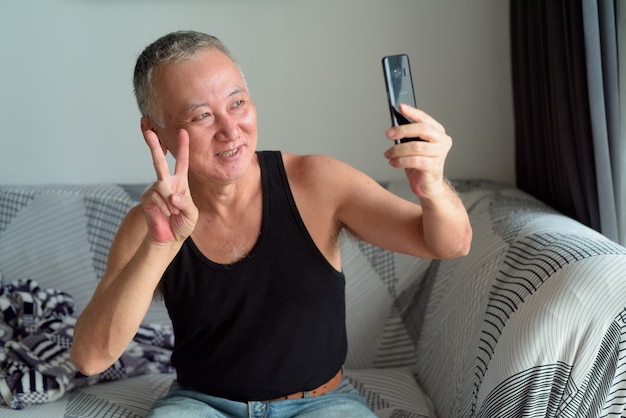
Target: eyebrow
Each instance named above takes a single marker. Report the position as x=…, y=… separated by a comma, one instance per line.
x=192, y=108
x=235, y=91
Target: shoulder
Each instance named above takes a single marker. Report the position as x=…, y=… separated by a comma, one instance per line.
x=326, y=181
x=316, y=170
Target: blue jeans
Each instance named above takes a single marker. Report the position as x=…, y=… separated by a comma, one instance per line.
x=342, y=402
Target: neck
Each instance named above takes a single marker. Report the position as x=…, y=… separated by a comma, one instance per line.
x=230, y=216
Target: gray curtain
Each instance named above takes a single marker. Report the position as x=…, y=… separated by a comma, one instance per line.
x=620, y=153
x=600, y=28
x=569, y=107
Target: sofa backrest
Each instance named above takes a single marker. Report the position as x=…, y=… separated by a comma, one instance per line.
x=59, y=236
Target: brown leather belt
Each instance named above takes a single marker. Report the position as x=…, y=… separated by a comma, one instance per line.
x=318, y=391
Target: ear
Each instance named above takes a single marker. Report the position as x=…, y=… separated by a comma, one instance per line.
x=148, y=125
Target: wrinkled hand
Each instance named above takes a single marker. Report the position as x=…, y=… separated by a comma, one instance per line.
x=167, y=204
x=423, y=161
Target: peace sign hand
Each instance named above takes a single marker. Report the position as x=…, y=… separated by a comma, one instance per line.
x=167, y=204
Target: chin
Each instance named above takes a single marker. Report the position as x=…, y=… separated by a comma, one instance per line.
x=234, y=168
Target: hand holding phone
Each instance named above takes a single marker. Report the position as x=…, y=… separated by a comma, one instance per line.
x=399, y=85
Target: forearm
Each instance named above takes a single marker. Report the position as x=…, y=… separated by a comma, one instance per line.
x=111, y=319
x=446, y=228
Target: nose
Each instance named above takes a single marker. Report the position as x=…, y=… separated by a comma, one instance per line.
x=228, y=128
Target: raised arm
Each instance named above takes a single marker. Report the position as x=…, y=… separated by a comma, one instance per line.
x=437, y=228
x=446, y=228
x=148, y=239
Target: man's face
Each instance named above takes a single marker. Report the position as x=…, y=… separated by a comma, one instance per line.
x=208, y=97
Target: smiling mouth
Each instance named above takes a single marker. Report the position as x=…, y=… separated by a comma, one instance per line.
x=229, y=153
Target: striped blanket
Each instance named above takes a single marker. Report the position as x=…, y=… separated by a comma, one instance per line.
x=36, y=328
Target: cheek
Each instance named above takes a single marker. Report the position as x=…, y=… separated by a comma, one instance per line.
x=168, y=140
x=200, y=136
x=249, y=119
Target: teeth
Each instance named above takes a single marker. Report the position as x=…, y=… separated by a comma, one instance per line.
x=228, y=153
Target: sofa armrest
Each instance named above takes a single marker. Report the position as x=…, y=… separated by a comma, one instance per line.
x=530, y=323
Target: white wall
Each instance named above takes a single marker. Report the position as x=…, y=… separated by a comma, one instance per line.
x=68, y=115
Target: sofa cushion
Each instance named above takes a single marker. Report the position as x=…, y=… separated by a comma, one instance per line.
x=391, y=393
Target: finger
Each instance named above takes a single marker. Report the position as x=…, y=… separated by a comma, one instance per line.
x=182, y=203
x=426, y=132
x=418, y=116
x=182, y=156
x=154, y=199
x=158, y=156
x=409, y=156
x=412, y=130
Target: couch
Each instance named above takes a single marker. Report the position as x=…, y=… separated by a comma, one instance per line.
x=530, y=323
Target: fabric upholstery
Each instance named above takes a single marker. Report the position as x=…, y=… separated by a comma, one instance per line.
x=530, y=323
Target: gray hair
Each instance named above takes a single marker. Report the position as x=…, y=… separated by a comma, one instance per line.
x=171, y=48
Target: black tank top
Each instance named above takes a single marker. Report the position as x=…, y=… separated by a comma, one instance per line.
x=269, y=325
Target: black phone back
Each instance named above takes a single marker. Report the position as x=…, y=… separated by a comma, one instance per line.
x=399, y=85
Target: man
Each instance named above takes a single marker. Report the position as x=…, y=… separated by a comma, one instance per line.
x=244, y=244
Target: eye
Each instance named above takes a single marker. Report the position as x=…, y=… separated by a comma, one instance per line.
x=239, y=103
x=201, y=116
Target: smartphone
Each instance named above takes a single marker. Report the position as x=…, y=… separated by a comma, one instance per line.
x=399, y=82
